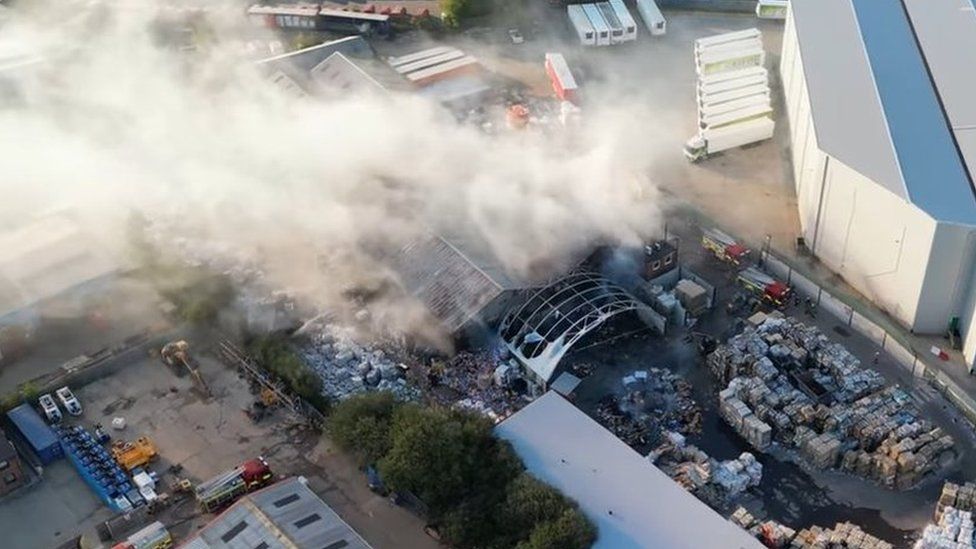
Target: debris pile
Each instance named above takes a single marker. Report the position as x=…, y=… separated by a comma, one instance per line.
x=711, y=480
x=959, y=497
x=786, y=382
x=654, y=401
x=473, y=381
x=347, y=367
x=844, y=534
x=954, y=530
x=770, y=532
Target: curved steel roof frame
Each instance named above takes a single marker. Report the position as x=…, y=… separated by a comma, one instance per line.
x=543, y=329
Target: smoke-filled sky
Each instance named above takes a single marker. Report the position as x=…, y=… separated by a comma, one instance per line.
x=111, y=122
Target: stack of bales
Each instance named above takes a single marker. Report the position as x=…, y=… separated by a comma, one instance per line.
x=959, y=497
x=786, y=381
x=844, y=534
x=737, y=475
x=954, y=530
x=738, y=414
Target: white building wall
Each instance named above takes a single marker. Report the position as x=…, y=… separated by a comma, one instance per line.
x=876, y=241
x=808, y=160
x=945, y=290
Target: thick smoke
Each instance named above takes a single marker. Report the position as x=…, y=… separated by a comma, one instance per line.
x=115, y=121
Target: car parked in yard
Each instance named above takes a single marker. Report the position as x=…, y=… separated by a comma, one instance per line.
x=50, y=408
x=69, y=401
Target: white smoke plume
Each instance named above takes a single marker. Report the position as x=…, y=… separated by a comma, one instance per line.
x=112, y=122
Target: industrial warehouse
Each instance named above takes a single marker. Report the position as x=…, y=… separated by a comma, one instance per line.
x=420, y=274
x=864, y=168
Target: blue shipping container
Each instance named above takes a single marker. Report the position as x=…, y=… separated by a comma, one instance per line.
x=36, y=432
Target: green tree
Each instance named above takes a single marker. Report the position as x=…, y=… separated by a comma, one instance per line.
x=571, y=530
x=361, y=425
x=456, y=12
x=443, y=455
x=276, y=356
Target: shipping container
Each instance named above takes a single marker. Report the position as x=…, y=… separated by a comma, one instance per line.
x=652, y=17
x=729, y=85
x=417, y=56
x=729, y=60
x=732, y=75
x=626, y=19
x=610, y=16
x=581, y=24
x=464, y=65
x=772, y=9
x=37, y=434
x=714, y=109
x=600, y=27
x=429, y=61
x=750, y=44
x=717, y=39
x=735, y=117
x=561, y=78
x=714, y=99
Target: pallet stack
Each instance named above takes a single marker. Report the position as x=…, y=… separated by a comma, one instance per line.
x=787, y=382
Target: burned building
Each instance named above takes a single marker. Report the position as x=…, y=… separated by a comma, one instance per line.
x=12, y=474
x=660, y=257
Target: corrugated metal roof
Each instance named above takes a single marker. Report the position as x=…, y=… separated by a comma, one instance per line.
x=287, y=514
x=306, y=59
x=876, y=106
x=45, y=258
x=29, y=423
x=339, y=73
x=448, y=282
x=633, y=504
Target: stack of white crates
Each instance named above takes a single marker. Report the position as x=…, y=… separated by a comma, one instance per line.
x=734, y=101
x=602, y=23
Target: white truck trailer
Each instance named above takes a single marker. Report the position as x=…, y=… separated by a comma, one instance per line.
x=600, y=26
x=727, y=85
x=711, y=62
x=703, y=43
x=710, y=141
x=610, y=16
x=714, y=121
x=715, y=109
x=712, y=99
x=626, y=19
x=732, y=75
x=652, y=17
x=581, y=24
x=772, y=9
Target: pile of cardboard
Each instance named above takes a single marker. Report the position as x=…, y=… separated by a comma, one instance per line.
x=954, y=530
x=712, y=480
x=959, y=497
x=844, y=534
x=788, y=382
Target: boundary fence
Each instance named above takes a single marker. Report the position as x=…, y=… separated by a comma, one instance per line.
x=907, y=357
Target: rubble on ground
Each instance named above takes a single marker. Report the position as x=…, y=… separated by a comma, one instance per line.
x=473, y=382
x=787, y=383
x=653, y=401
x=711, y=480
x=348, y=368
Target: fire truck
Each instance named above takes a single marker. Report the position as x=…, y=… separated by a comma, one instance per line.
x=225, y=488
x=724, y=246
x=764, y=286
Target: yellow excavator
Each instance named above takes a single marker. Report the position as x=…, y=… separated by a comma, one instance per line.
x=176, y=355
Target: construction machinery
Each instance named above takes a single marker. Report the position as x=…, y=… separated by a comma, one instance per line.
x=223, y=489
x=134, y=454
x=176, y=355
x=724, y=246
x=764, y=286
